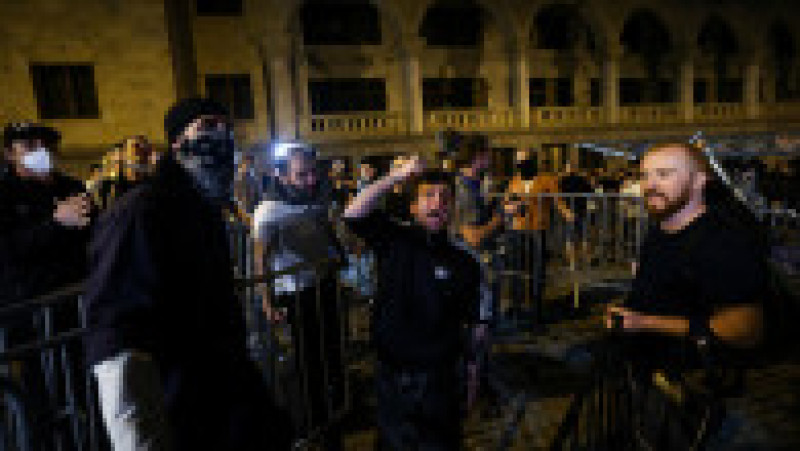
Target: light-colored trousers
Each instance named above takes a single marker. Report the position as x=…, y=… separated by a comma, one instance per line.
x=132, y=402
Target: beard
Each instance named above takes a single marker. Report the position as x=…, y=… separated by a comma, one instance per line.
x=671, y=206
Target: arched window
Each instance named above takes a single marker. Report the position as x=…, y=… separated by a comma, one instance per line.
x=351, y=23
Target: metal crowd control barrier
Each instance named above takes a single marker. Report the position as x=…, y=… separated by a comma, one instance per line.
x=48, y=396
x=340, y=294
x=539, y=248
x=599, y=417
x=622, y=407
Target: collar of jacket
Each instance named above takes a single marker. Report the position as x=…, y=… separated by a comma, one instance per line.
x=429, y=238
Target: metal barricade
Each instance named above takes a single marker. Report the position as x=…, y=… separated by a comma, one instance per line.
x=540, y=249
x=48, y=396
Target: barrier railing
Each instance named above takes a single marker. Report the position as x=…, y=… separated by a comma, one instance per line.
x=362, y=124
x=540, y=248
x=566, y=116
x=719, y=111
x=649, y=114
x=469, y=120
x=49, y=400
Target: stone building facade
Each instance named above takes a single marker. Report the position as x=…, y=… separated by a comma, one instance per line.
x=366, y=76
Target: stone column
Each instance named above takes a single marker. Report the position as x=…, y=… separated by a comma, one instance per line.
x=611, y=85
x=521, y=86
x=412, y=82
x=752, y=79
x=303, y=99
x=686, y=89
x=281, y=93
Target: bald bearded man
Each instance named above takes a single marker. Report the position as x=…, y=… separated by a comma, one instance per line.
x=696, y=295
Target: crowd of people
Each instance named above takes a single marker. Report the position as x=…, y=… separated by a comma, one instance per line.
x=166, y=341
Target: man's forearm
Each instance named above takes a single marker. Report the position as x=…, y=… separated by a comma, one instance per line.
x=369, y=197
x=739, y=325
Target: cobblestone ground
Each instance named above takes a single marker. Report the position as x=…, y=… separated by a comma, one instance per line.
x=535, y=375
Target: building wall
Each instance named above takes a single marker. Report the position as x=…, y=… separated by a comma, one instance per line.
x=128, y=44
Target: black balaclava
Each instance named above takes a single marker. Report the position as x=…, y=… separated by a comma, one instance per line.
x=209, y=157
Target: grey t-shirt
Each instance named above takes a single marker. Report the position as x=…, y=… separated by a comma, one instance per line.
x=296, y=234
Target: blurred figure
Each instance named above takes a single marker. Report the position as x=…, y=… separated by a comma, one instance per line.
x=126, y=165
x=529, y=214
x=94, y=177
x=248, y=185
x=167, y=342
x=396, y=201
x=633, y=213
x=340, y=184
x=113, y=182
x=136, y=158
x=44, y=220
x=476, y=217
x=573, y=182
x=430, y=289
x=292, y=228
x=367, y=172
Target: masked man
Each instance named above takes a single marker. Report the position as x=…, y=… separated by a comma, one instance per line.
x=44, y=217
x=167, y=342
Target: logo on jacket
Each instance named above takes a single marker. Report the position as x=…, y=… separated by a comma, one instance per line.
x=441, y=273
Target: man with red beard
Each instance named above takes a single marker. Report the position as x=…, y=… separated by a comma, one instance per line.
x=696, y=294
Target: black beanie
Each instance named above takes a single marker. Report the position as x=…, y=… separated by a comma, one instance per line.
x=25, y=130
x=187, y=110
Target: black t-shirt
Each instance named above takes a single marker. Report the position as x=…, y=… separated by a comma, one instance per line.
x=428, y=289
x=698, y=270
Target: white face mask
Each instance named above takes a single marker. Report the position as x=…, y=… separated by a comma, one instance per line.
x=38, y=161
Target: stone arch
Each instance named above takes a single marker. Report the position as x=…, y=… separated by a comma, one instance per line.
x=494, y=10
x=587, y=16
x=781, y=54
x=645, y=34
x=387, y=14
x=717, y=40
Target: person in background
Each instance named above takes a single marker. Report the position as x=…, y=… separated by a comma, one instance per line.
x=167, y=336
x=292, y=229
x=429, y=289
x=367, y=172
x=476, y=216
x=575, y=183
x=396, y=202
x=632, y=212
x=44, y=230
x=341, y=185
x=529, y=214
x=113, y=182
x=608, y=181
x=95, y=175
x=136, y=159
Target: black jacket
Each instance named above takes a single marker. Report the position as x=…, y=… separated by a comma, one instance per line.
x=428, y=289
x=161, y=282
x=37, y=255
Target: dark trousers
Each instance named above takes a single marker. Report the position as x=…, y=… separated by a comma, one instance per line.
x=317, y=334
x=527, y=261
x=418, y=410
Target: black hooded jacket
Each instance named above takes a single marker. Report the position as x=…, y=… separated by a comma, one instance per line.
x=161, y=282
x=37, y=255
